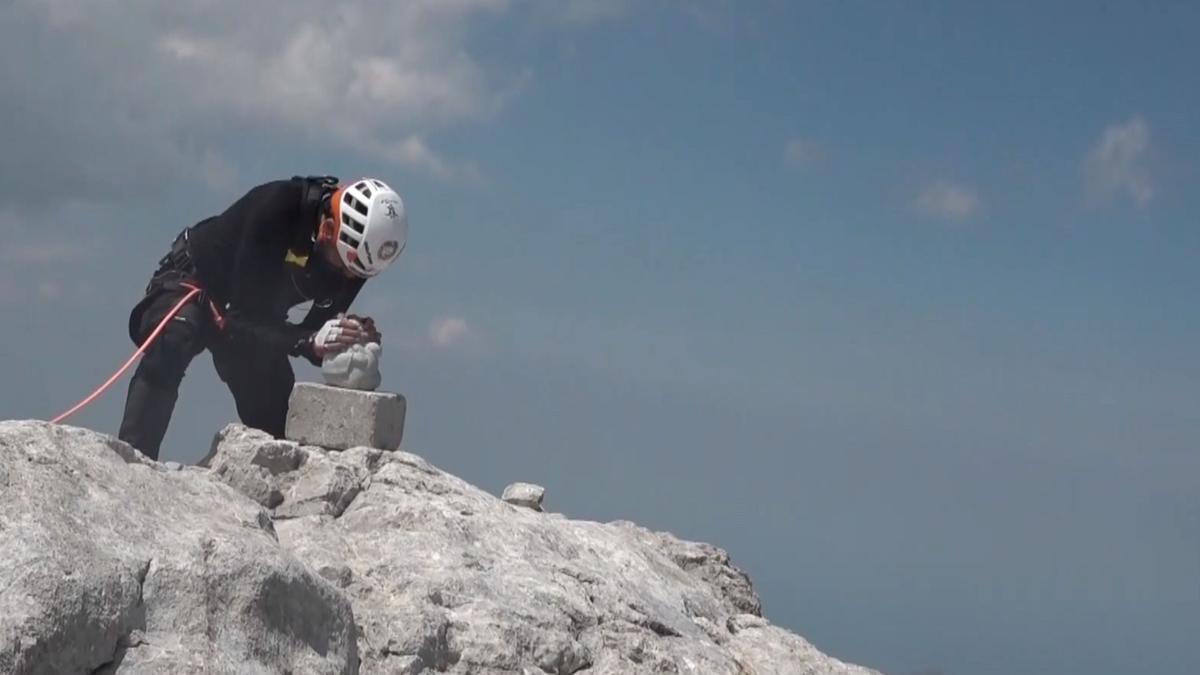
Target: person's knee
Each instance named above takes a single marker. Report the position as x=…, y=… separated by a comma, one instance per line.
x=166, y=361
x=267, y=414
x=278, y=392
x=261, y=393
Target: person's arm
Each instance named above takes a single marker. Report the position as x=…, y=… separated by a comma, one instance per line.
x=341, y=304
x=319, y=316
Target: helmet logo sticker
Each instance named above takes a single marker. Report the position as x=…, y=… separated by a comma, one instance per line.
x=391, y=210
x=388, y=250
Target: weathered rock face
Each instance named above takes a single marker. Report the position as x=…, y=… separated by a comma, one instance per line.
x=282, y=558
x=447, y=578
x=525, y=494
x=110, y=563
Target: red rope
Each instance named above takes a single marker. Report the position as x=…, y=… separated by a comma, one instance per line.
x=140, y=350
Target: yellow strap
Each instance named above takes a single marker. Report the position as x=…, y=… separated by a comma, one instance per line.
x=297, y=260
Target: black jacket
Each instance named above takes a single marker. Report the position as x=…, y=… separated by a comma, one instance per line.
x=256, y=261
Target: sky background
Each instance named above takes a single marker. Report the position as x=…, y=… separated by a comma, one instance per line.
x=897, y=302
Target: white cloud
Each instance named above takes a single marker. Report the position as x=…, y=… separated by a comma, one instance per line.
x=948, y=200
x=218, y=173
x=712, y=15
x=585, y=12
x=446, y=331
x=373, y=67
x=44, y=252
x=116, y=103
x=414, y=153
x=185, y=49
x=802, y=152
x=1117, y=164
x=49, y=291
x=45, y=239
x=48, y=255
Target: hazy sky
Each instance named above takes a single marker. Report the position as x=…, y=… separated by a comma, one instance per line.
x=897, y=302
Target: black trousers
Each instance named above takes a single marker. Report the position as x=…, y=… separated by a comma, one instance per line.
x=260, y=383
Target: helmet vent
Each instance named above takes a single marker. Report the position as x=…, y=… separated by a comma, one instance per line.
x=355, y=204
x=348, y=240
x=349, y=222
x=366, y=191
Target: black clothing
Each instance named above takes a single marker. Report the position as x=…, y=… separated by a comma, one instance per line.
x=254, y=262
x=240, y=260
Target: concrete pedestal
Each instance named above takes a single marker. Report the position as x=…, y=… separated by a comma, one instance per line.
x=344, y=418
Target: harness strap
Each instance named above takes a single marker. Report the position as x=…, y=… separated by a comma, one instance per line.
x=218, y=318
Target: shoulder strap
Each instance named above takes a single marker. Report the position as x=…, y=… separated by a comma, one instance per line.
x=315, y=190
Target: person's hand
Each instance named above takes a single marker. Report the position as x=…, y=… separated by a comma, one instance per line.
x=369, y=330
x=338, y=334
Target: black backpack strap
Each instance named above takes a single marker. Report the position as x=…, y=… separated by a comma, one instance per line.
x=313, y=196
x=316, y=189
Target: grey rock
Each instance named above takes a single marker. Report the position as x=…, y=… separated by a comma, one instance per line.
x=251, y=461
x=773, y=651
x=354, y=368
x=337, y=418
x=340, y=575
x=266, y=470
x=114, y=564
x=240, y=444
x=325, y=487
x=277, y=456
x=445, y=577
x=707, y=563
x=525, y=494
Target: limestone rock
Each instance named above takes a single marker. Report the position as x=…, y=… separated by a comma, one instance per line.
x=343, y=418
x=110, y=563
x=707, y=563
x=354, y=368
x=325, y=487
x=773, y=649
x=265, y=469
x=445, y=577
x=525, y=494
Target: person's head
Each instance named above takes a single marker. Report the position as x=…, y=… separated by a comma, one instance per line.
x=363, y=229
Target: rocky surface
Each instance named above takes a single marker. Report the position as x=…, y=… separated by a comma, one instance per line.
x=282, y=558
x=525, y=494
x=445, y=577
x=110, y=563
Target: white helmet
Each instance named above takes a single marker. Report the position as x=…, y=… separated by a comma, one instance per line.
x=372, y=226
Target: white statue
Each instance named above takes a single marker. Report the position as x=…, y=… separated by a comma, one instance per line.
x=356, y=367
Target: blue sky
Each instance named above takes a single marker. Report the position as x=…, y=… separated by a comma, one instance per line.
x=896, y=302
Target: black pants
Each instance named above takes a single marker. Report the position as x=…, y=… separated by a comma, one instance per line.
x=260, y=383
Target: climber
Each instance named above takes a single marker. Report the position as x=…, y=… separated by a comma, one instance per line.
x=282, y=244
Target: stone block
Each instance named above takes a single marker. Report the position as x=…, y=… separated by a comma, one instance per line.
x=339, y=419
